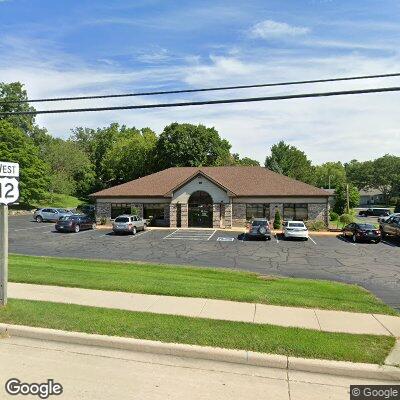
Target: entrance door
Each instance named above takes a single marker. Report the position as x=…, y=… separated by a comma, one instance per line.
x=200, y=210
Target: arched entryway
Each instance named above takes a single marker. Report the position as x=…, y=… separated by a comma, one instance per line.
x=200, y=210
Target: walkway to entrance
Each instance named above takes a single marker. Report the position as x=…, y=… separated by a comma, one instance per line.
x=192, y=234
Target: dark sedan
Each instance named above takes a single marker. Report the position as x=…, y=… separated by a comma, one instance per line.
x=75, y=223
x=362, y=232
x=259, y=229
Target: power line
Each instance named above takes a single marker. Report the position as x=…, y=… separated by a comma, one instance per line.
x=199, y=90
x=209, y=102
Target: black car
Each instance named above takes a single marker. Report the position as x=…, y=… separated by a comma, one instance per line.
x=259, y=229
x=374, y=212
x=362, y=232
x=75, y=223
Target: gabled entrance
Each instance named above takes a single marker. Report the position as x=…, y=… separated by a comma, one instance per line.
x=200, y=210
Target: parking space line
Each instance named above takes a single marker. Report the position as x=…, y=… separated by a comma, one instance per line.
x=212, y=234
x=312, y=240
x=140, y=234
x=276, y=237
x=166, y=237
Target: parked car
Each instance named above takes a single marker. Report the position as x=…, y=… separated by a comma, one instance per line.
x=50, y=214
x=391, y=227
x=295, y=229
x=362, y=232
x=75, y=223
x=384, y=219
x=259, y=229
x=374, y=212
x=129, y=224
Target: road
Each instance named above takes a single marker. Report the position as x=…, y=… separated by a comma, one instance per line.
x=376, y=267
x=91, y=373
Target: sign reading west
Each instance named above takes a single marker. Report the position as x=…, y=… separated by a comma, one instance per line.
x=9, y=185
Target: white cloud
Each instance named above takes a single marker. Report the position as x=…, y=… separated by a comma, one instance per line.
x=272, y=29
x=337, y=128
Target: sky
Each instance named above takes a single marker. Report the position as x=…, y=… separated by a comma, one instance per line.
x=83, y=47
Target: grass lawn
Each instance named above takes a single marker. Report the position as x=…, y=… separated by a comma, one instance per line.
x=59, y=200
x=193, y=282
x=174, y=329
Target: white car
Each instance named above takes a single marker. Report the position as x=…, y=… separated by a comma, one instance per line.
x=295, y=229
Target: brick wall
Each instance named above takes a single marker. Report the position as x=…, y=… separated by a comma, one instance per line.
x=318, y=211
x=103, y=210
x=228, y=215
x=216, y=215
x=184, y=215
x=172, y=215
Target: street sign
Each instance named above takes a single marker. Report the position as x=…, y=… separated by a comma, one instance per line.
x=9, y=184
x=9, y=193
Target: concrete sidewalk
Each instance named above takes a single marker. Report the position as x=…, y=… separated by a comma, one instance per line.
x=322, y=320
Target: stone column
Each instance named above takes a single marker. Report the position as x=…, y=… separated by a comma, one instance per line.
x=273, y=207
x=228, y=215
x=184, y=215
x=216, y=215
x=172, y=215
x=103, y=210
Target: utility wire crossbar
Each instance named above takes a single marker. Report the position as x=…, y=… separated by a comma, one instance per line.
x=208, y=102
x=107, y=96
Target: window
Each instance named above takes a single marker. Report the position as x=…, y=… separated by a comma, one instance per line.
x=257, y=211
x=294, y=211
x=119, y=209
x=154, y=211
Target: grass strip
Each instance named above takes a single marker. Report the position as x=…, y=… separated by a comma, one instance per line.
x=173, y=280
x=204, y=332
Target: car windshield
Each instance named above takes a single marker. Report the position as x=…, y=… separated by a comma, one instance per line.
x=259, y=223
x=366, y=226
x=122, y=219
x=62, y=210
x=296, y=225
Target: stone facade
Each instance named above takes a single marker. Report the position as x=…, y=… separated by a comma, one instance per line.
x=273, y=207
x=318, y=211
x=103, y=210
x=228, y=216
x=216, y=215
x=238, y=214
x=184, y=215
x=172, y=215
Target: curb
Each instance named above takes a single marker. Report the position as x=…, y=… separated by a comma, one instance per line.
x=341, y=368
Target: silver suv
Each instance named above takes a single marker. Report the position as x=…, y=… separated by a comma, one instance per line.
x=129, y=224
x=50, y=214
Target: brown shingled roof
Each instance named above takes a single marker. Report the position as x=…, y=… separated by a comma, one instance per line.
x=241, y=181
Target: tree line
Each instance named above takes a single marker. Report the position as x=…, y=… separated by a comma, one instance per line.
x=94, y=159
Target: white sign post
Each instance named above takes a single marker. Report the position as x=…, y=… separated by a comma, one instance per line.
x=9, y=193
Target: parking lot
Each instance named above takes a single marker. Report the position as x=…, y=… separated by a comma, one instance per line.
x=373, y=266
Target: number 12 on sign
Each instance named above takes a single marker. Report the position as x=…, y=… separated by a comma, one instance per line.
x=9, y=192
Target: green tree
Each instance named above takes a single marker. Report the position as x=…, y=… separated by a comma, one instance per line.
x=290, y=161
x=245, y=161
x=9, y=93
x=360, y=174
x=329, y=175
x=186, y=145
x=341, y=198
x=277, y=220
x=131, y=156
x=15, y=146
x=71, y=169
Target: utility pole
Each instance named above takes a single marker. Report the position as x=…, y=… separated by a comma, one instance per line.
x=3, y=253
x=347, y=199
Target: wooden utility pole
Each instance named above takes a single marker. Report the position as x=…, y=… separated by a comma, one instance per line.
x=347, y=199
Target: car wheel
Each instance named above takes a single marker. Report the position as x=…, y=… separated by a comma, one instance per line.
x=144, y=227
x=94, y=225
x=39, y=219
x=354, y=238
x=77, y=228
x=377, y=241
x=134, y=230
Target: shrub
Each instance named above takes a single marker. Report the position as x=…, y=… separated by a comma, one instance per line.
x=333, y=216
x=277, y=220
x=103, y=220
x=135, y=211
x=316, y=225
x=346, y=219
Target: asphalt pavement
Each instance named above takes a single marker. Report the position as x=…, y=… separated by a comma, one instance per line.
x=373, y=266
